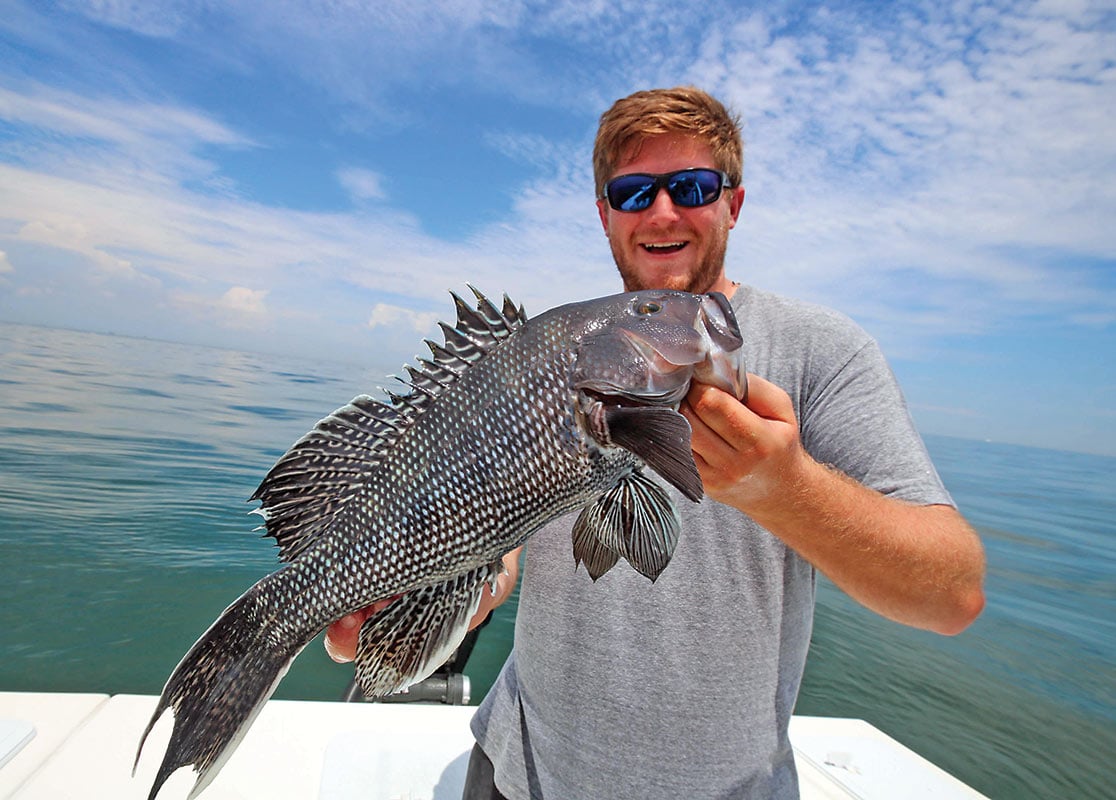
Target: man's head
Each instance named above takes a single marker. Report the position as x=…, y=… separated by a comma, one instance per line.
x=685, y=110
x=677, y=244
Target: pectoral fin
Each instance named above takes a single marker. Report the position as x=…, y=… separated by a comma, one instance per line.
x=412, y=637
x=634, y=520
x=661, y=437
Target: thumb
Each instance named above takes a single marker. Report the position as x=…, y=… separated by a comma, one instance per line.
x=767, y=400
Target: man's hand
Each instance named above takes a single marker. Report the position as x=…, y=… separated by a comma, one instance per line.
x=916, y=564
x=745, y=453
x=342, y=636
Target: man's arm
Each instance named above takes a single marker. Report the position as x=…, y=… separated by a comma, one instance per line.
x=342, y=636
x=919, y=565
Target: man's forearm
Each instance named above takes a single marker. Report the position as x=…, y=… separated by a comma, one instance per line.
x=918, y=565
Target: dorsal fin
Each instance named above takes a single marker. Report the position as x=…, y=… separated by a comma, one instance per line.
x=323, y=470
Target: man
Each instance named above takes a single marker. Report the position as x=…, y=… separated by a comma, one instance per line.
x=685, y=687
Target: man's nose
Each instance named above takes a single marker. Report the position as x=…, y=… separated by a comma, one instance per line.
x=662, y=208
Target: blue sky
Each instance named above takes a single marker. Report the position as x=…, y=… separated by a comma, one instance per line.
x=313, y=177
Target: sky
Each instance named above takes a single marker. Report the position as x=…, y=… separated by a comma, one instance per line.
x=313, y=178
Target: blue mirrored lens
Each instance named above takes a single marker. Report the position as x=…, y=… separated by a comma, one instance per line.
x=632, y=192
x=688, y=188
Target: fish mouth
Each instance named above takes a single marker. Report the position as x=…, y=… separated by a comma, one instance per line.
x=723, y=365
x=708, y=352
x=623, y=400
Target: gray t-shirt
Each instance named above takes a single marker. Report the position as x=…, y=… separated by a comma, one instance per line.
x=684, y=687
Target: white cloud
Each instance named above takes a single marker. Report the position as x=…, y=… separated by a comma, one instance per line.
x=5, y=264
x=241, y=300
x=389, y=316
x=111, y=120
x=147, y=18
x=362, y=184
x=962, y=151
x=71, y=234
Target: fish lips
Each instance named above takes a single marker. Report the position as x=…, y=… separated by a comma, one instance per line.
x=724, y=365
x=720, y=321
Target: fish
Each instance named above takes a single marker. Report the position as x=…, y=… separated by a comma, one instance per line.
x=417, y=496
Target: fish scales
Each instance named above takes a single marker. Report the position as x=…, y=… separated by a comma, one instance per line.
x=513, y=489
x=509, y=425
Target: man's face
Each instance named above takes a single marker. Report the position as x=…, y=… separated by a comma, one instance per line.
x=667, y=246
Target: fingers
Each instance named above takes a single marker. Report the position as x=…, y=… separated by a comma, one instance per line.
x=767, y=400
x=505, y=584
x=717, y=415
x=342, y=636
x=720, y=425
x=739, y=448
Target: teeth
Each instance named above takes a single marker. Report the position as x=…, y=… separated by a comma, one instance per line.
x=663, y=245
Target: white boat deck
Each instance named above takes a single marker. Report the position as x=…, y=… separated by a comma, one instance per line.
x=83, y=746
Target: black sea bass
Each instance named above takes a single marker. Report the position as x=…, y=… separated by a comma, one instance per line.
x=508, y=425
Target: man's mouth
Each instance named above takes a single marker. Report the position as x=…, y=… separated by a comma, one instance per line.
x=663, y=248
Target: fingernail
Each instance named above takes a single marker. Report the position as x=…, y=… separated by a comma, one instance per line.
x=332, y=652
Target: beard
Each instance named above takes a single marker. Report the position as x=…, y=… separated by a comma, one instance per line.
x=697, y=280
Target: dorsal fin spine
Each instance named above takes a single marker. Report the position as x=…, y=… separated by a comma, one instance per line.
x=463, y=346
x=470, y=321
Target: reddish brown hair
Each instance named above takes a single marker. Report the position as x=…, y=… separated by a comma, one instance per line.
x=684, y=109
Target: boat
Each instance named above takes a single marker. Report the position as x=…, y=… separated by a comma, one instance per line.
x=57, y=746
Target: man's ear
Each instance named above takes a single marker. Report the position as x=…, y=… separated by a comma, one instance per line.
x=602, y=211
x=736, y=201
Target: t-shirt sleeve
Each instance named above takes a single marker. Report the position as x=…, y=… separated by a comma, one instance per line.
x=856, y=419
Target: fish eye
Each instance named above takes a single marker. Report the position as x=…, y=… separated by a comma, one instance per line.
x=648, y=307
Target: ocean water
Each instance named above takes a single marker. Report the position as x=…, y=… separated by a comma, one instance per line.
x=125, y=465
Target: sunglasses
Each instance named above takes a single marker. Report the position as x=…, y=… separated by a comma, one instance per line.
x=688, y=188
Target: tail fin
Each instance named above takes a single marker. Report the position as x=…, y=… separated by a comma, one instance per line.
x=220, y=686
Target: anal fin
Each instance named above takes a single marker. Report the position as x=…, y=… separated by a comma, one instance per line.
x=412, y=637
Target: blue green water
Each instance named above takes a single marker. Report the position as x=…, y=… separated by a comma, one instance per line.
x=125, y=465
